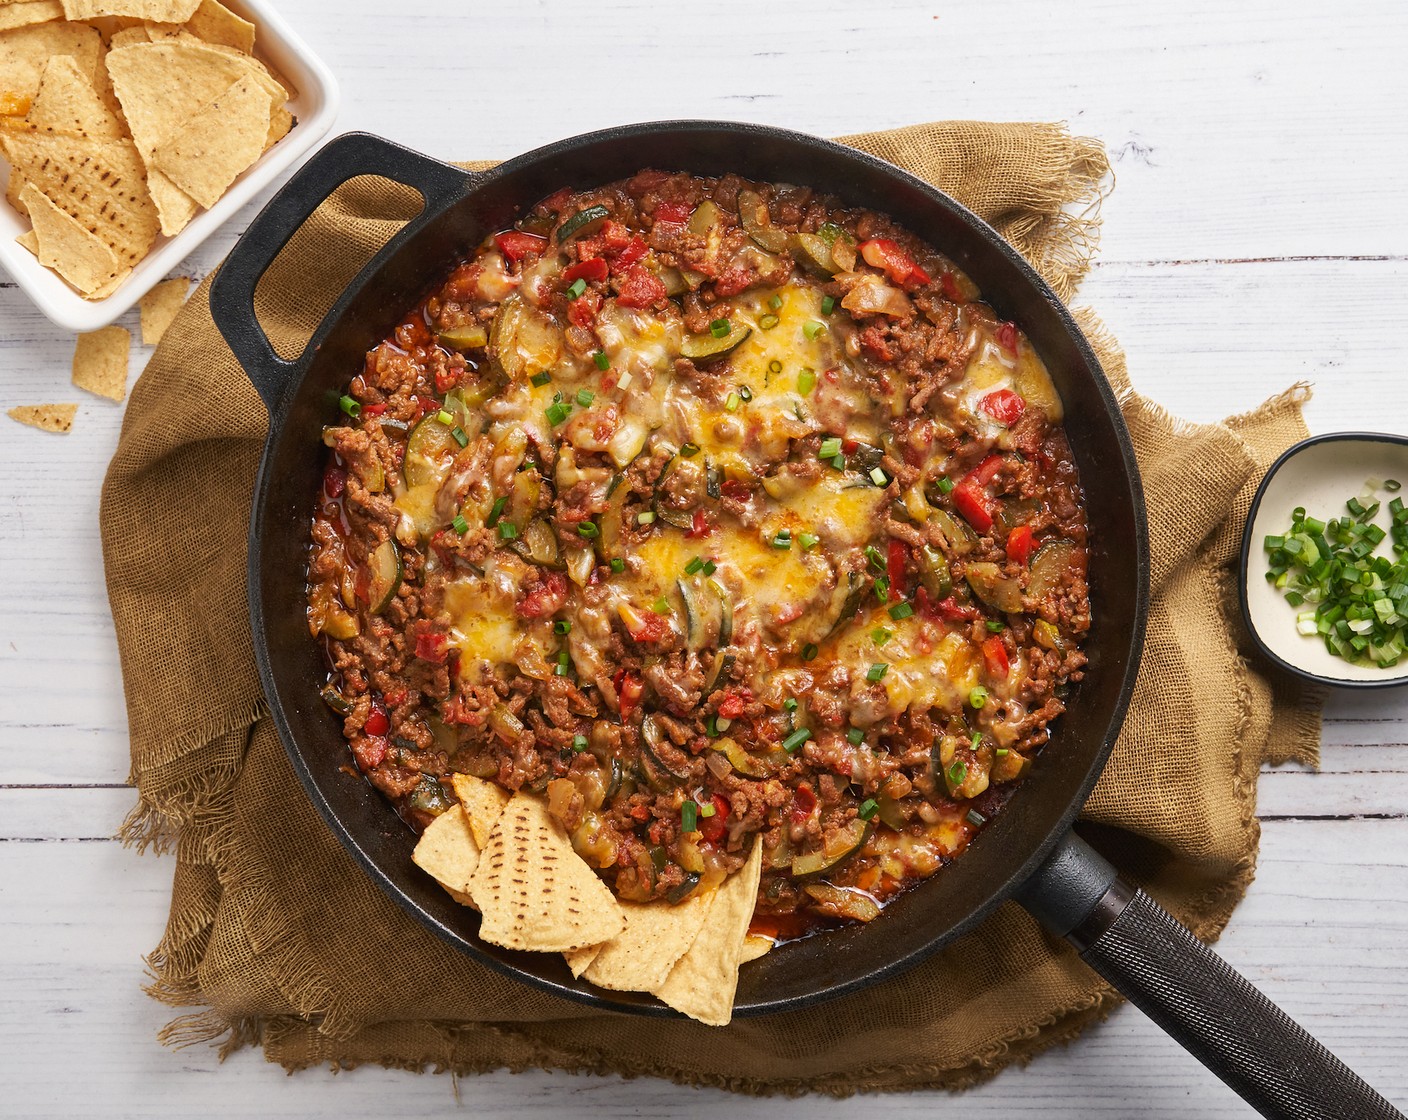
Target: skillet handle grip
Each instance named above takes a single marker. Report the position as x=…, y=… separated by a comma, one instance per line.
x=1199, y=999
x=346, y=157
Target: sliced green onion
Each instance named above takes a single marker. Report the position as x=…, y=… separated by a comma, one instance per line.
x=618, y=565
x=774, y=366
x=661, y=605
x=806, y=381
x=977, y=697
x=790, y=704
x=829, y=447
x=839, y=462
x=576, y=288
x=689, y=450
x=875, y=557
x=353, y=407
x=541, y=379
x=809, y=652
x=706, y=809
x=796, y=739
x=782, y=539
x=880, y=635
x=976, y=818
x=1392, y=485
x=459, y=524
x=508, y=531
x=601, y=360
x=557, y=412
x=812, y=327
x=901, y=611
x=879, y=477
x=500, y=504
x=806, y=541
x=768, y=321
x=719, y=328
x=460, y=437
x=746, y=393
x=876, y=672
x=564, y=659
x=445, y=417
x=710, y=567
x=828, y=304
x=585, y=397
x=694, y=566
x=882, y=588
x=868, y=808
x=995, y=626
x=855, y=736
x=945, y=485
x=775, y=303
x=689, y=813
x=579, y=743
x=588, y=529
x=731, y=402
x=957, y=772
x=646, y=518
x=562, y=627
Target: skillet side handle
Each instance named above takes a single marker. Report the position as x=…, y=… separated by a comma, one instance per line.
x=1193, y=994
x=344, y=158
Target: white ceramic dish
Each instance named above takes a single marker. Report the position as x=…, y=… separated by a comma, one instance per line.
x=1321, y=474
x=313, y=105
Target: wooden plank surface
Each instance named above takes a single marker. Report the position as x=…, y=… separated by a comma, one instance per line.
x=1257, y=237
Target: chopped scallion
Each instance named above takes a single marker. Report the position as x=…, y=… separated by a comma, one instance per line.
x=855, y=736
x=585, y=397
x=689, y=450
x=809, y=652
x=995, y=626
x=618, y=565
x=500, y=504
x=579, y=743
x=719, y=328
x=876, y=672
x=562, y=627
x=588, y=529
x=828, y=304
x=790, y=704
x=646, y=518
x=746, y=393
x=807, y=541
x=710, y=567
x=689, y=813
x=694, y=566
x=880, y=635
x=812, y=327
x=796, y=739
x=557, y=412
x=829, y=447
x=508, y=531
x=459, y=524
x=806, y=381
x=445, y=417
x=601, y=360
x=353, y=407
x=576, y=288
x=879, y=477
x=460, y=437
x=775, y=303
x=782, y=539
x=768, y=321
x=976, y=818
x=731, y=402
x=661, y=605
x=945, y=485
x=541, y=379
x=901, y=611
x=977, y=697
x=868, y=808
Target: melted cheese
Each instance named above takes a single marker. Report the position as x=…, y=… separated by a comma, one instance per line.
x=926, y=667
x=484, y=629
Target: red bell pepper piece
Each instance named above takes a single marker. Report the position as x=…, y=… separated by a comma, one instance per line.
x=1019, y=544
x=629, y=689
x=373, y=409
x=640, y=288
x=970, y=497
x=445, y=380
x=895, y=560
x=698, y=526
x=899, y=266
x=593, y=269
x=1004, y=406
x=631, y=252
x=714, y=827
x=378, y=723
x=515, y=244
x=954, y=611
x=803, y=802
x=995, y=657
x=431, y=644
x=677, y=212
x=1006, y=336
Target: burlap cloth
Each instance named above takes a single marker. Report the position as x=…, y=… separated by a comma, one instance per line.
x=284, y=942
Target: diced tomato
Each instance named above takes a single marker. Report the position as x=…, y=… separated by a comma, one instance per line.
x=628, y=254
x=640, y=813
x=1019, y=544
x=445, y=380
x=737, y=490
x=973, y=504
x=952, y=610
x=582, y=310
x=593, y=269
x=949, y=283
x=1004, y=406
x=698, y=526
x=373, y=409
x=899, y=266
x=715, y=826
x=396, y=697
x=985, y=471
x=895, y=561
x=431, y=644
x=734, y=701
x=640, y=288
x=1006, y=336
x=548, y=597
x=803, y=802
x=651, y=628
x=874, y=343
x=515, y=244
x=677, y=212
x=614, y=235
x=995, y=658
x=334, y=481
x=629, y=689
x=368, y=753
x=378, y=723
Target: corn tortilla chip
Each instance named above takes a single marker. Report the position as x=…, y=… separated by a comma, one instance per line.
x=67, y=102
x=64, y=245
x=174, y=207
x=46, y=417
x=28, y=12
x=165, y=11
x=579, y=959
x=483, y=801
x=99, y=183
x=656, y=936
x=218, y=143
x=534, y=891
x=447, y=852
x=100, y=362
x=128, y=36
x=111, y=286
x=160, y=305
x=215, y=23
x=755, y=946
x=14, y=104
x=702, y=984
x=25, y=50
x=29, y=241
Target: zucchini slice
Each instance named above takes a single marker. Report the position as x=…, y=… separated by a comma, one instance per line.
x=583, y=221
x=844, y=844
x=705, y=347
x=385, y=575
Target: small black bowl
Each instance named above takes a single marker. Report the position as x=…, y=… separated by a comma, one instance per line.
x=1320, y=473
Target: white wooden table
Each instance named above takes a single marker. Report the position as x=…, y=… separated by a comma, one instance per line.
x=1259, y=235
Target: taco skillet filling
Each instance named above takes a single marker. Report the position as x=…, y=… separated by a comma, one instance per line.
x=708, y=511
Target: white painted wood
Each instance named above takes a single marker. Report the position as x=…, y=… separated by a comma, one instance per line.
x=1258, y=236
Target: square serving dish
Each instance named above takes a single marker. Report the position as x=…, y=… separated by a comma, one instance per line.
x=314, y=106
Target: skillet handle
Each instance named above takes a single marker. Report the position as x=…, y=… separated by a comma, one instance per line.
x=346, y=157
x=1189, y=991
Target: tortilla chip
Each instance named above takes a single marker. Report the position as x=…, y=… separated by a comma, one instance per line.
x=447, y=852
x=483, y=801
x=656, y=936
x=578, y=960
x=29, y=241
x=280, y=122
x=111, y=286
x=46, y=417
x=215, y=23
x=100, y=362
x=755, y=946
x=25, y=50
x=64, y=245
x=534, y=891
x=174, y=207
x=164, y=11
x=14, y=104
x=160, y=305
x=28, y=12
x=218, y=143
x=703, y=983
x=67, y=102
x=101, y=184
x=127, y=36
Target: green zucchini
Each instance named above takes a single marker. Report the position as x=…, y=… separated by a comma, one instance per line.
x=812, y=253
x=385, y=575
x=757, y=223
x=988, y=584
x=429, y=796
x=335, y=700
x=583, y=221
x=843, y=903
x=855, y=596
x=705, y=219
x=843, y=845
x=934, y=573
x=678, y=894
x=1049, y=567
x=471, y=336
x=705, y=347
x=523, y=341
x=429, y=451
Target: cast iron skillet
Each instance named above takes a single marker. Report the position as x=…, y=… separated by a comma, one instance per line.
x=1027, y=853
